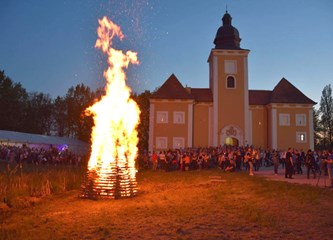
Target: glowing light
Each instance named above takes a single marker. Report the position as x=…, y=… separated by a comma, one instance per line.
x=111, y=166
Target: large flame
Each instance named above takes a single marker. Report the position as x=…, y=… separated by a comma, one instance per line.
x=116, y=116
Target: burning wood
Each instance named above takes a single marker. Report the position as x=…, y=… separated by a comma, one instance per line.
x=111, y=167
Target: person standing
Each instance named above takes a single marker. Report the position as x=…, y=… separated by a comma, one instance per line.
x=249, y=160
x=289, y=168
x=154, y=159
x=187, y=161
x=276, y=161
x=256, y=159
x=239, y=161
x=162, y=160
x=310, y=164
x=298, y=163
x=283, y=158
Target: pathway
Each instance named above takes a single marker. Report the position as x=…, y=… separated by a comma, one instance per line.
x=320, y=181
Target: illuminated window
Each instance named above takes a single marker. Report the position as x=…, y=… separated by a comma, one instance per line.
x=178, y=142
x=161, y=142
x=179, y=117
x=300, y=137
x=300, y=120
x=230, y=66
x=231, y=82
x=162, y=117
x=284, y=119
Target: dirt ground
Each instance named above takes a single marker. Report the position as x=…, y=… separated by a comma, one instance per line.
x=180, y=205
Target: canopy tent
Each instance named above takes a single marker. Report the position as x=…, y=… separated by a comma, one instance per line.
x=37, y=140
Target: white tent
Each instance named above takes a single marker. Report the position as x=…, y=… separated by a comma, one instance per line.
x=37, y=140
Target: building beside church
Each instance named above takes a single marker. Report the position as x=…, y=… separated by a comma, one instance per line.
x=228, y=112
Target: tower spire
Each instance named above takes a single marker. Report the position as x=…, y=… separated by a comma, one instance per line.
x=227, y=36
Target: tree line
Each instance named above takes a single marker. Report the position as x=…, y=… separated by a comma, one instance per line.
x=38, y=113
x=64, y=116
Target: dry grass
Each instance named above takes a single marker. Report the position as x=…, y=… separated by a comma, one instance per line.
x=181, y=205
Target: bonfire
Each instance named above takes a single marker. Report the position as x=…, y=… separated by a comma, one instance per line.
x=111, y=167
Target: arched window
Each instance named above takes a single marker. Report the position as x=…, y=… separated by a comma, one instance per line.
x=231, y=82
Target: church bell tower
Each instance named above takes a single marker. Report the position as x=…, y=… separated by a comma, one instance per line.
x=228, y=81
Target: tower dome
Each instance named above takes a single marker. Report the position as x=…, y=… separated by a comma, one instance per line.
x=227, y=36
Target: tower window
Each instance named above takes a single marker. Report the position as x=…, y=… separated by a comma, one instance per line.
x=231, y=82
x=230, y=66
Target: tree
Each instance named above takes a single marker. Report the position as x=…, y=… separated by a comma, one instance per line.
x=143, y=129
x=38, y=114
x=13, y=99
x=77, y=124
x=317, y=129
x=326, y=115
x=59, y=116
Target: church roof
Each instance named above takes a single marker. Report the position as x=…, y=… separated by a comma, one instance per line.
x=227, y=36
x=202, y=94
x=172, y=89
x=284, y=92
x=259, y=97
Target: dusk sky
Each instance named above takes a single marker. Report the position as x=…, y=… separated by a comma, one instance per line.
x=48, y=46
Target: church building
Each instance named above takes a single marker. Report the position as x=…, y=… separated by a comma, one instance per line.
x=228, y=112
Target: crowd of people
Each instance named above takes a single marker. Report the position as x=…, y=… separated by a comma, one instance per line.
x=52, y=155
x=230, y=158
x=226, y=158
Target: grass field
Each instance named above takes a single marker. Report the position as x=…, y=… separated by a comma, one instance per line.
x=178, y=205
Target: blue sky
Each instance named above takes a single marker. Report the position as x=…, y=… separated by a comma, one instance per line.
x=48, y=46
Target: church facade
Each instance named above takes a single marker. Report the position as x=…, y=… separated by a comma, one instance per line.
x=228, y=112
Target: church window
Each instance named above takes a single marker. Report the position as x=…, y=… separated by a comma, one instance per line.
x=300, y=137
x=300, y=120
x=231, y=82
x=178, y=117
x=178, y=142
x=284, y=119
x=162, y=117
x=161, y=142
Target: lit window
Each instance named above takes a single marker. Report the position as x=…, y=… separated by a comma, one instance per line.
x=284, y=119
x=161, y=142
x=230, y=82
x=300, y=137
x=179, y=117
x=178, y=142
x=300, y=120
x=162, y=117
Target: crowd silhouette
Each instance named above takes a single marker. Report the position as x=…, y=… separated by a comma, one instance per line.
x=227, y=158
x=38, y=156
x=241, y=158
